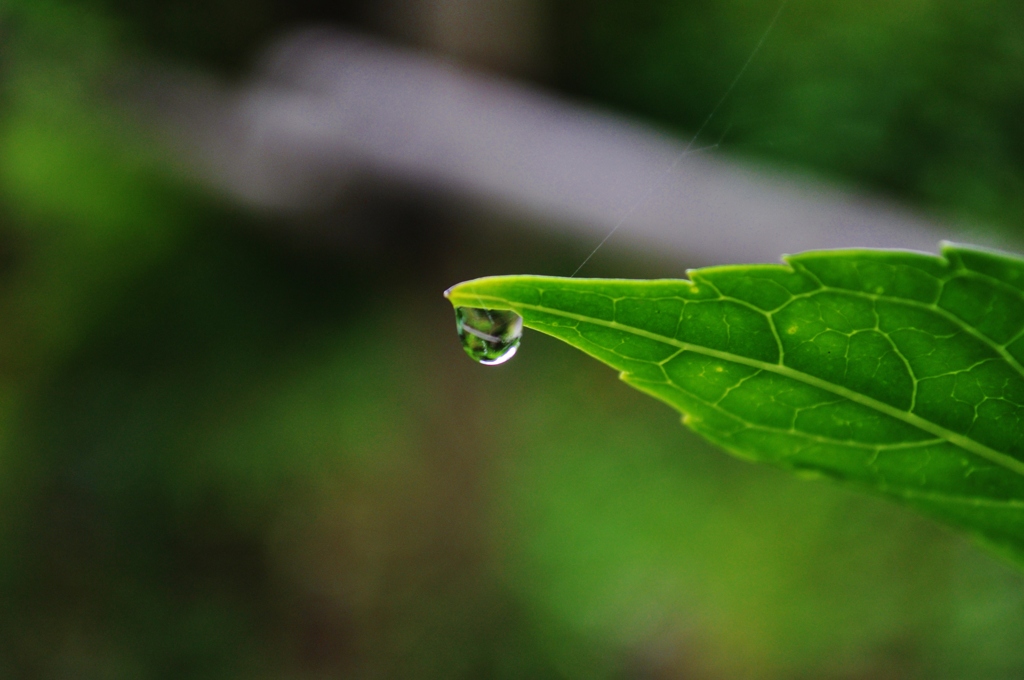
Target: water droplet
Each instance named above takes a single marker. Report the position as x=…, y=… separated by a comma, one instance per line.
x=488, y=336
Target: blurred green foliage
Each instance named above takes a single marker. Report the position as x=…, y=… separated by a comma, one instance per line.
x=921, y=100
x=225, y=452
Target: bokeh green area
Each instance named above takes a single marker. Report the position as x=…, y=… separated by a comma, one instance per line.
x=920, y=100
x=228, y=450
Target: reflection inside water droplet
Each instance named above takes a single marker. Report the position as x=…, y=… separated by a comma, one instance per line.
x=488, y=336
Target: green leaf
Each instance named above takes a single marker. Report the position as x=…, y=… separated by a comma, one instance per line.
x=895, y=371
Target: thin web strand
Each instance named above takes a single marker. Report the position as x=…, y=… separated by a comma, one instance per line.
x=687, y=149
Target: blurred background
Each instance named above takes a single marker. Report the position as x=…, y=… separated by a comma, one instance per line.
x=238, y=435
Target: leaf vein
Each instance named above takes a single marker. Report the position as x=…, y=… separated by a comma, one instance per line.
x=964, y=442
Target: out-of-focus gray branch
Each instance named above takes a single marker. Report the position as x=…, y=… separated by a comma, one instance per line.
x=326, y=105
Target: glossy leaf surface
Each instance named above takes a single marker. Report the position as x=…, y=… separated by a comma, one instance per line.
x=896, y=371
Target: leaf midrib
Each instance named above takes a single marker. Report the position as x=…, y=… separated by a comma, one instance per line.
x=912, y=419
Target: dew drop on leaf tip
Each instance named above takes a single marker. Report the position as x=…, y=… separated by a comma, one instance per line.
x=489, y=337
